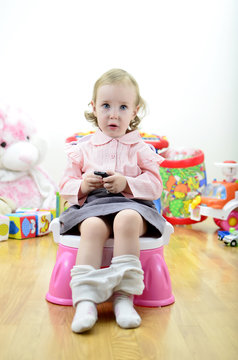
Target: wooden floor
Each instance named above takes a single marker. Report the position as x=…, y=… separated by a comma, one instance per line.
x=201, y=324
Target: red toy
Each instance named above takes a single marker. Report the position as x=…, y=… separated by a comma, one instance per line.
x=219, y=199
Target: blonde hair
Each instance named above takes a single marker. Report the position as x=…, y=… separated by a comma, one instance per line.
x=118, y=76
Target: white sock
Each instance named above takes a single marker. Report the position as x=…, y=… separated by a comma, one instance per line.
x=85, y=316
x=126, y=315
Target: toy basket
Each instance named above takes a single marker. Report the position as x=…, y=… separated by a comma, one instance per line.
x=184, y=176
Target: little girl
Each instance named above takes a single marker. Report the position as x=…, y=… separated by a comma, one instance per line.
x=116, y=202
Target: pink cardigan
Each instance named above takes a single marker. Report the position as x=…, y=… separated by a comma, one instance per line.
x=128, y=155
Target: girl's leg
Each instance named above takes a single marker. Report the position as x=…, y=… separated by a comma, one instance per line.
x=128, y=227
x=94, y=232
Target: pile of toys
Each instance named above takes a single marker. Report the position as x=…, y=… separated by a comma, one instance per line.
x=30, y=222
x=26, y=223
x=25, y=188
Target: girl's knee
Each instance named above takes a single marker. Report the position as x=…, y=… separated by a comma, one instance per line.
x=128, y=215
x=94, y=226
x=128, y=218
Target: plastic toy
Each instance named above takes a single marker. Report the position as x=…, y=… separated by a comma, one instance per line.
x=158, y=290
x=4, y=227
x=158, y=142
x=21, y=150
x=219, y=199
x=61, y=204
x=231, y=238
x=184, y=177
x=221, y=234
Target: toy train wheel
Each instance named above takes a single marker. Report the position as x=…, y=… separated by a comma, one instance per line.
x=233, y=243
x=231, y=221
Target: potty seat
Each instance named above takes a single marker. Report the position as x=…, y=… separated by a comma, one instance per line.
x=158, y=290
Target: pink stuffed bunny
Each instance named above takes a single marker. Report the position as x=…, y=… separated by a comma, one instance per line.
x=21, y=180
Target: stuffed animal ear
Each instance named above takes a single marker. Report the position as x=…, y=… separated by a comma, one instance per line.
x=2, y=120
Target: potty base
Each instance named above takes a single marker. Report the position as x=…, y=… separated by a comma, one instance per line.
x=157, y=292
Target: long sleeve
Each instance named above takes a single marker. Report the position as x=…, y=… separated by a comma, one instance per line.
x=72, y=178
x=148, y=185
x=128, y=155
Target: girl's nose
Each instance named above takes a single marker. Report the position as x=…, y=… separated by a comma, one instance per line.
x=114, y=114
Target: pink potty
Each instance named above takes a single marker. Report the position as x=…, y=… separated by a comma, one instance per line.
x=157, y=292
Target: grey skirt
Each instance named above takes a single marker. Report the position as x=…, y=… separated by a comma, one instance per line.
x=101, y=203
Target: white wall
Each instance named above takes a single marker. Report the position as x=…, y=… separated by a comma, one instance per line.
x=184, y=54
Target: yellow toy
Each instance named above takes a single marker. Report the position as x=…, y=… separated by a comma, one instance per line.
x=4, y=227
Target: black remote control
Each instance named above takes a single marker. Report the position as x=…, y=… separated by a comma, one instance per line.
x=101, y=173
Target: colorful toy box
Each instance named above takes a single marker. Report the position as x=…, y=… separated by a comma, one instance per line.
x=43, y=219
x=26, y=224
x=184, y=176
x=4, y=227
x=22, y=225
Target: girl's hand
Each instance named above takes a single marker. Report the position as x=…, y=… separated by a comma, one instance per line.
x=90, y=182
x=115, y=182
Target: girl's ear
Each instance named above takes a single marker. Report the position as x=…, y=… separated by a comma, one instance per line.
x=136, y=110
x=94, y=107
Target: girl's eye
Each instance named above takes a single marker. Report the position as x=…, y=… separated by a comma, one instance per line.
x=123, y=107
x=106, y=106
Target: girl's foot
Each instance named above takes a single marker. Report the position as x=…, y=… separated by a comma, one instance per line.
x=85, y=316
x=126, y=315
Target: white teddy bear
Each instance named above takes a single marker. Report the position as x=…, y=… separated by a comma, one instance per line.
x=22, y=182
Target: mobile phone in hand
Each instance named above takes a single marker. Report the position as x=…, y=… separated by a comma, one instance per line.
x=101, y=173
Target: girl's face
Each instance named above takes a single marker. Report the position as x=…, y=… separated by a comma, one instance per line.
x=115, y=108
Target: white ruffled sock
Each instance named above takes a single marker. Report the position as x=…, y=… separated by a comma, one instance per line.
x=126, y=315
x=85, y=316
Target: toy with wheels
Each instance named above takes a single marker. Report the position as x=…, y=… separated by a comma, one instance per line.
x=229, y=237
x=219, y=199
